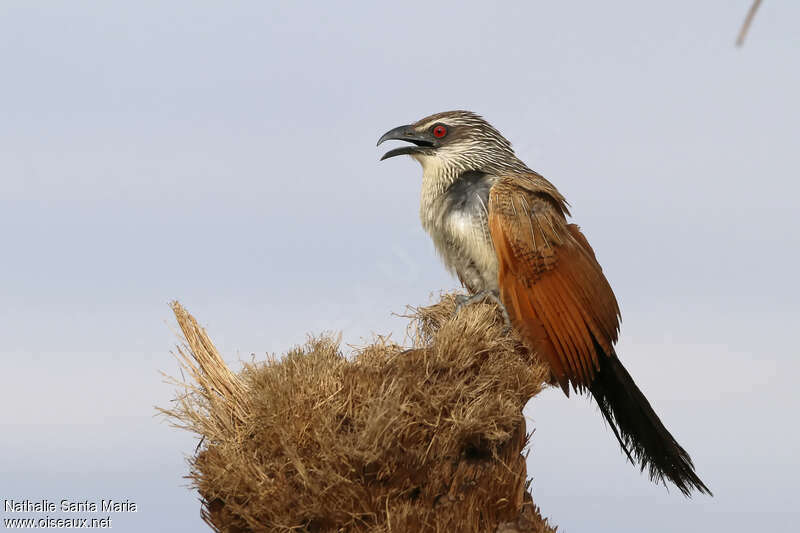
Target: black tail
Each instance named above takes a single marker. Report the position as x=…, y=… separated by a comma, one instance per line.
x=639, y=430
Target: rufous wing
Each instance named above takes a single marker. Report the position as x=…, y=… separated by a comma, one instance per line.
x=550, y=282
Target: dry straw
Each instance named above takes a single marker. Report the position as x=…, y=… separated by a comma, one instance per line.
x=429, y=438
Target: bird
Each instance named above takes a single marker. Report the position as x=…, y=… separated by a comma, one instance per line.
x=503, y=230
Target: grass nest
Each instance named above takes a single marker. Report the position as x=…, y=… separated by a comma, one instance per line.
x=429, y=437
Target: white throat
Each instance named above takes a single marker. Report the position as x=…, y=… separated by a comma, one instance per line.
x=437, y=175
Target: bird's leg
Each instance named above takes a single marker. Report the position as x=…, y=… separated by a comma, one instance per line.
x=463, y=301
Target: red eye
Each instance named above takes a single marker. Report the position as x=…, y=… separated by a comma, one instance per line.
x=439, y=131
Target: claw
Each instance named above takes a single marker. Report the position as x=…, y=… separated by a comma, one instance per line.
x=463, y=301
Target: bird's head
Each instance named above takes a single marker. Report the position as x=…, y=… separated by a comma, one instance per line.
x=452, y=141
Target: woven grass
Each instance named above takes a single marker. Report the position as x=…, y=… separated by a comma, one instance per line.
x=422, y=438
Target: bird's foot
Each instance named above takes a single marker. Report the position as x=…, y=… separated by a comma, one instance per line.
x=463, y=301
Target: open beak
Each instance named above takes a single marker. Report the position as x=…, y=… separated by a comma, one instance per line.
x=422, y=141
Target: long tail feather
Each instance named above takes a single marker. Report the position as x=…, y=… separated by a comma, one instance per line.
x=639, y=430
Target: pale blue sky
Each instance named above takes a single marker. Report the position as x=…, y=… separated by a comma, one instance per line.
x=224, y=155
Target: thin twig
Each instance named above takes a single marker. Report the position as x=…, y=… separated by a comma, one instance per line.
x=747, y=21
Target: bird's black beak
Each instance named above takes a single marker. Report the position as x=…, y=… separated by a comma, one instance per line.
x=422, y=141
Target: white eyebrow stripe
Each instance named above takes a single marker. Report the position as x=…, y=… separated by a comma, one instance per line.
x=430, y=123
x=447, y=121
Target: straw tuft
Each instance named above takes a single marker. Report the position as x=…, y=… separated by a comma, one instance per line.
x=428, y=438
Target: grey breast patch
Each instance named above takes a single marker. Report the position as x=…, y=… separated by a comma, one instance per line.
x=464, y=240
x=466, y=203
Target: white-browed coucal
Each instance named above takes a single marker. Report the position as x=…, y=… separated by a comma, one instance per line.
x=503, y=230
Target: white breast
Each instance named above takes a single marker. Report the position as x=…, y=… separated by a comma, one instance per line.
x=457, y=220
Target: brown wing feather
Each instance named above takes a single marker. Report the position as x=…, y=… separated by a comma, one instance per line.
x=550, y=281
